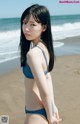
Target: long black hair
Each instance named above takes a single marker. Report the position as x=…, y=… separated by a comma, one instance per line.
x=41, y=15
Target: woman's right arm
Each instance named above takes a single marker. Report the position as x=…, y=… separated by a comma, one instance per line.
x=51, y=88
x=38, y=73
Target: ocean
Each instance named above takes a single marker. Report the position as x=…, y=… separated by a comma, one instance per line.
x=62, y=26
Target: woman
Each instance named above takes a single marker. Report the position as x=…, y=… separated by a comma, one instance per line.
x=37, y=60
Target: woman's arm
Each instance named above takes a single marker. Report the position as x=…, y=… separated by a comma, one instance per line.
x=55, y=109
x=50, y=85
x=38, y=73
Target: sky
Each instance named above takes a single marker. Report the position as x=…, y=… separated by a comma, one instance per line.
x=14, y=8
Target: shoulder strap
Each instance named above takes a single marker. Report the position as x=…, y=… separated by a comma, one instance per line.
x=44, y=55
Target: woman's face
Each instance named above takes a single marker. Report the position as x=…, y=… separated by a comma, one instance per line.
x=32, y=29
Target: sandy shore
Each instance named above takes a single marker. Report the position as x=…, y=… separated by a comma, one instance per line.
x=71, y=46
x=66, y=81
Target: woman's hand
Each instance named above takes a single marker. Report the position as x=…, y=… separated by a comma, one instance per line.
x=56, y=119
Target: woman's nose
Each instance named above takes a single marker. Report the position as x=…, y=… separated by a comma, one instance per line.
x=27, y=28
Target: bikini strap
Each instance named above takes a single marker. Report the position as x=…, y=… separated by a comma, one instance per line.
x=44, y=55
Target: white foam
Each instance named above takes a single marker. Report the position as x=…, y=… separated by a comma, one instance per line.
x=58, y=44
x=11, y=52
x=8, y=59
x=6, y=35
x=66, y=30
x=9, y=40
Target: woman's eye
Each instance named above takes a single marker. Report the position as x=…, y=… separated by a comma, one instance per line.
x=24, y=22
x=33, y=25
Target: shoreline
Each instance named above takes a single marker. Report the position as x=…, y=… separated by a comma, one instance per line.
x=9, y=65
x=71, y=47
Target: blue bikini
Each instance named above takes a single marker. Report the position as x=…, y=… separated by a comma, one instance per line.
x=27, y=72
x=39, y=111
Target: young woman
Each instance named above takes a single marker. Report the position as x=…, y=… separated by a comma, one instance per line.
x=37, y=60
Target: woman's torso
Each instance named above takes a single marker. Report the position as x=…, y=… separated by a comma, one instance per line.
x=32, y=96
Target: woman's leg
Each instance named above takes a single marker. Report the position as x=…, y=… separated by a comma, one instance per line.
x=35, y=119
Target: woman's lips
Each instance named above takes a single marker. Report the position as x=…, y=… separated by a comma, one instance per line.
x=27, y=34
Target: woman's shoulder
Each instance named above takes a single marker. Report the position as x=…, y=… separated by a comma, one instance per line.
x=34, y=57
x=37, y=52
x=33, y=53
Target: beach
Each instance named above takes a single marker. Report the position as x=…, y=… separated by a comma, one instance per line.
x=66, y=82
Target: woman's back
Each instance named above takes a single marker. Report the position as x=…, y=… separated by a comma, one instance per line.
x=32, y=95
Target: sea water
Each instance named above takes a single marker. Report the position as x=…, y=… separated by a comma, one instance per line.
x=62, y=27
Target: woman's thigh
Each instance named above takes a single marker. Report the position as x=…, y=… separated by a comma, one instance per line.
x=35, y=119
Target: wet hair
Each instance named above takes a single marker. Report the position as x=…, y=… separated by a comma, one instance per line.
x=41, y=15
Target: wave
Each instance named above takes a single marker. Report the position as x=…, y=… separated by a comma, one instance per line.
x=66, y=30
x=10, y=55
x=59, y=32
x=8, y=59
x=9, y=34
x=9, y=40
x=7, y=53
x=58, y=44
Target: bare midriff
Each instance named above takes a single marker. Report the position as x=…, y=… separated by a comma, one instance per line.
x=32, y=96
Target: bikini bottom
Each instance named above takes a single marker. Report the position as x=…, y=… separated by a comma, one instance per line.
x=39, y=111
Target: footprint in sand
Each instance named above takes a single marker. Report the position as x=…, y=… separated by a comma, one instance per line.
x=77, y=71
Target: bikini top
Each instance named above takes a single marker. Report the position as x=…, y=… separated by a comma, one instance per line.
x=27, y=71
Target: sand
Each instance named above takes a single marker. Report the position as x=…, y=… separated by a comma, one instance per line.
x=66, y=82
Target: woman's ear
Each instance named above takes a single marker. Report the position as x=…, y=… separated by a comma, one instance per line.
x=44, y=27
